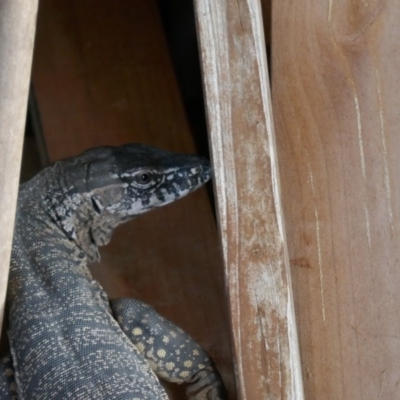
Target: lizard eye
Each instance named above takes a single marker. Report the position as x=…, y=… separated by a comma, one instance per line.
x=143, y=178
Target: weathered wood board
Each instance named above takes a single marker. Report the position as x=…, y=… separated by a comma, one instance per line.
x=102, y=75
x=249, y=206
x=335, y=80
x=17, y=31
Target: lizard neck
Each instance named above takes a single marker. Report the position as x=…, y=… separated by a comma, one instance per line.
x=68, y=208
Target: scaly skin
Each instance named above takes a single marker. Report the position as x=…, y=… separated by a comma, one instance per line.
x=67, y=341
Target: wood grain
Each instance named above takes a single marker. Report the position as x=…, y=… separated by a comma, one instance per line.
x=249, y=206
x=335, y=69
x=102, y=75
x=17, y=31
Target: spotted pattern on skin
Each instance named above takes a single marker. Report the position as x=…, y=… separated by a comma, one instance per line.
x=66, y=341
x=175, y=356
x=137, y=331
x=8, y=387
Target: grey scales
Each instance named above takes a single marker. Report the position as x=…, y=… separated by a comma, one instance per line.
x=67, y=339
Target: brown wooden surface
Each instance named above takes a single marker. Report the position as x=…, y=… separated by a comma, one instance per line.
x=248, y=194
x=335, y=70
x=102, y=75
x=17, y=30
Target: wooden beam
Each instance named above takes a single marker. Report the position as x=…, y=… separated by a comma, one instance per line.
x=335, y=69
x=248, y=195
x=17, y=30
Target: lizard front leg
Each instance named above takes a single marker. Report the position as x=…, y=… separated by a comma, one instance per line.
x=173, y=355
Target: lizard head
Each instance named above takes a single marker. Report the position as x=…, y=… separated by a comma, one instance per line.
x=116, y=184
x=129, y=180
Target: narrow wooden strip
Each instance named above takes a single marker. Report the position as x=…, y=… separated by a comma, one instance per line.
x=17, y=30
x=248, y=195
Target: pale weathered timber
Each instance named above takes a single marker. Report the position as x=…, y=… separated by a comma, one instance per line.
x=17, y=31
x=335, y=70
x=248, y=199
x=102, y=75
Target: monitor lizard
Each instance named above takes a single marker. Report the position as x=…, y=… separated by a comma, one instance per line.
x=67, y=339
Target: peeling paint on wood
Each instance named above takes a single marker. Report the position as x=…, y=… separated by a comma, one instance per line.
x=248, y=199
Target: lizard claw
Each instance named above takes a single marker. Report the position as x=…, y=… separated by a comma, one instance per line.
x=206, y=385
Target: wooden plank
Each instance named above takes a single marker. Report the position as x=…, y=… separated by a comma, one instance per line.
x=336, y=106
x=17, y=31
x=102, y=75
x=248, y=194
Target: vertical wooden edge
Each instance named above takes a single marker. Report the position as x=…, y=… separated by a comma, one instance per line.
x=228, y=34
x=295, y=360
x=17, y=30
